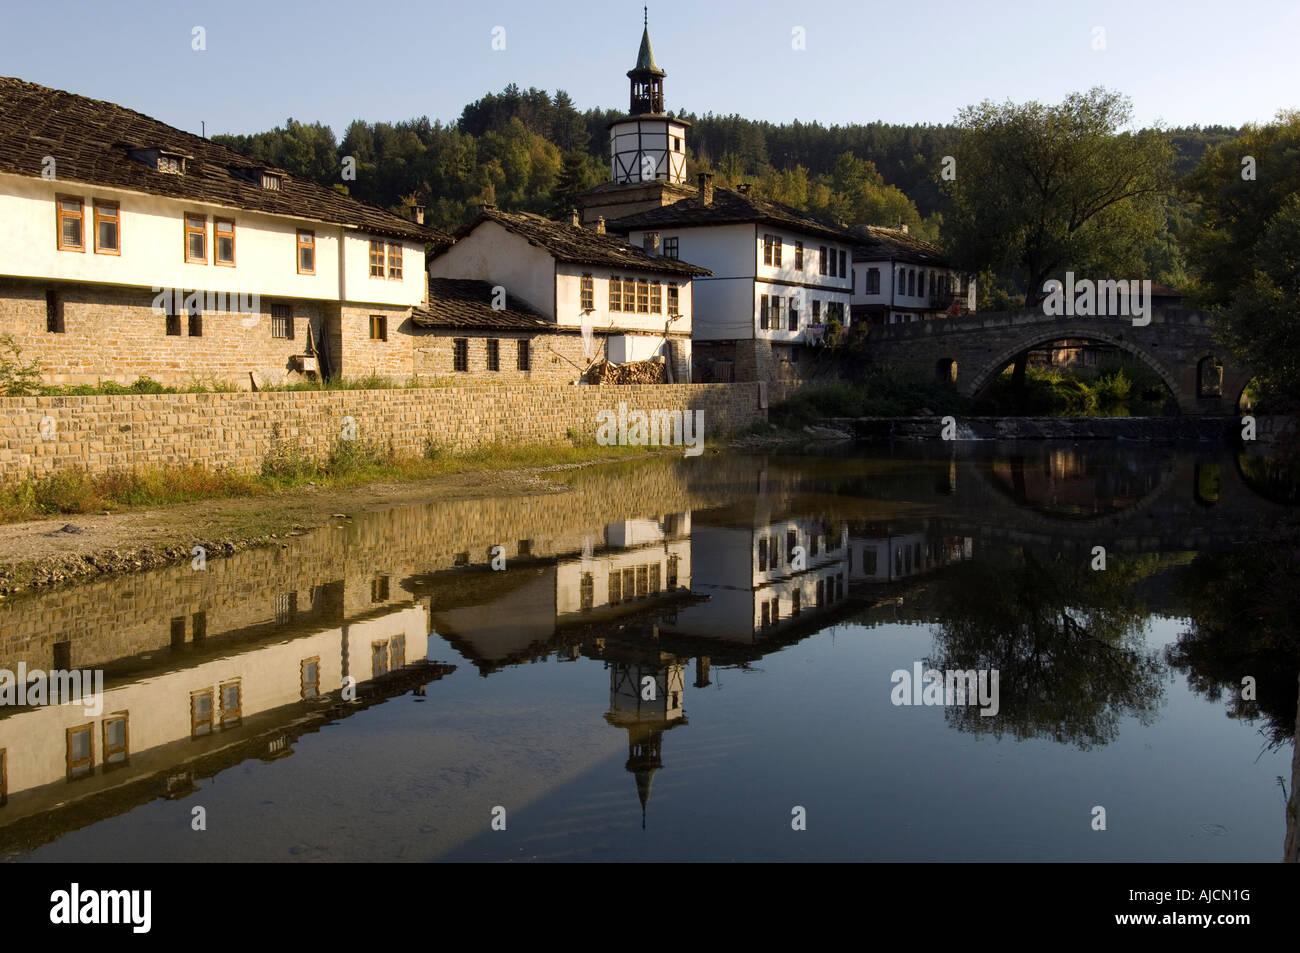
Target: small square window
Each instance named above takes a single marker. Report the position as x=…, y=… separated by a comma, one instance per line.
x=310, y=672
x=376, y=259
x=200, y=713
x=379, y=589
x=395, y=262
x=378, y=659
x=108, y=240
x=378, y=327
x=116, y=739
x=196, y=323
x=493, y=354
x=225, y=241
x=70, y=224
x=523, y=356
x=173, y=323
x=282, y=321
x=671, y=246
x=231, y=703
x=196, y=239
x=460, y=354
x=306, y=252
x=81, y=751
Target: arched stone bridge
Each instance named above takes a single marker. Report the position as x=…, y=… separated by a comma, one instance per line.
x=970, y=351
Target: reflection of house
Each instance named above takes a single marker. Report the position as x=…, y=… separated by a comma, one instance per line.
x=174, y=714
x=889, y=557
x=521, y=614
x=759, y=579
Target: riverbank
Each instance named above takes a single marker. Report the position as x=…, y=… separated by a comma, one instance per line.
x=46, y=550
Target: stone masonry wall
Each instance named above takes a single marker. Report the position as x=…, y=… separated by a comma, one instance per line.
x=42, y=435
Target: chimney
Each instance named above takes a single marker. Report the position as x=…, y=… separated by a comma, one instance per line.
x=706, y=188
x=417, y=214
x=650, y=243
x=743, y=188
x=902, y=226
x=600, y=225
x=574, y=219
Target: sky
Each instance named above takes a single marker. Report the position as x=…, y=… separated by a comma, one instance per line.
x=1193, y=62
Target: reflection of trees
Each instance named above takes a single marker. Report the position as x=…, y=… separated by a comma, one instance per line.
x=1243, y=607
x=1066, y=641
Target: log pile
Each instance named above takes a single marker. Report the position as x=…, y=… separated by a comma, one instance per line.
x=635, y=372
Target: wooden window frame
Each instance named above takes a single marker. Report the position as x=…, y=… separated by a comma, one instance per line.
x=523, y=355
x=764, y=306
x=674, y=299
x=216, y=241
x=671, y=247
x=656, y=297
x=587, y=293
x=642, y=297
x=615, y=293
x=774, y=315
x=493, y=354
x=395, y=257
x=238, y=714
x=615, y=587
x=287, y=318
x=396, y=653
x=212, y=710
x=300, y=245
x=629, y=296
x=125, y=750
x=798, y=256
x=60, y=215
x=379, y=322
x=460, y=355
x=375, y=648
x=302, y=678
x=190, y=229
x=377, y=259
x=115, y=218
x=88, y=762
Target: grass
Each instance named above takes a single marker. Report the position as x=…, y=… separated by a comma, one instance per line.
x=883, y=391
x=208, y=384
x=287, y=467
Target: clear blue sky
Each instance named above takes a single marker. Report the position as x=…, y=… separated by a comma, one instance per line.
x=1200, y=61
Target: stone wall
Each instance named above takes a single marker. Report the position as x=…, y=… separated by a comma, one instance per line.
x=42, y=435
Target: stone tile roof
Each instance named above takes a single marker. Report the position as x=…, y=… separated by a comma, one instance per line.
x=877, y=243
x=730, y=208
x=581, y=246
x=92, y=141
x=467, y=303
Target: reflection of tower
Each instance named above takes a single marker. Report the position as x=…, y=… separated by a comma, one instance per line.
x=647, y=699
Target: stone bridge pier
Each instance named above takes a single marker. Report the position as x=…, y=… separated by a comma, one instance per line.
x=970, y=351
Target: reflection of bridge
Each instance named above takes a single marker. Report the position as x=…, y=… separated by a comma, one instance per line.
x=972, y=350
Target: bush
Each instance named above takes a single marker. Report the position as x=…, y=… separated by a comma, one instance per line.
x=17, y=379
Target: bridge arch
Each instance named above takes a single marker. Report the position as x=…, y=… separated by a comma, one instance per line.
x=1039, y=336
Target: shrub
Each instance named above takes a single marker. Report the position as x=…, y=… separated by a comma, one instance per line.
x=17, y=379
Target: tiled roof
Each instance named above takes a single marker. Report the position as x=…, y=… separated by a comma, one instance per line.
x=581, y=246
x=876, y=243
x=730, y=208
x=467, y=303
x=91, y=142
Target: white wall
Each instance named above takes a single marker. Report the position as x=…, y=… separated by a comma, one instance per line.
x=495, y=254
x=628, y=141
x=360, y=287
x=152, y=242
x=568, y=291
x=723, y=303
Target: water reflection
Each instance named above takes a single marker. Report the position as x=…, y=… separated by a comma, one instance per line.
x=656, y=570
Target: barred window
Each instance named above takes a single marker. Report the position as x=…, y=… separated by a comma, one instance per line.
x=493, y=354
x=460, y=354
x=523, y=355
x=281, y=321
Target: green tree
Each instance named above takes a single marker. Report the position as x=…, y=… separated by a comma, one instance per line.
x=1044, y=189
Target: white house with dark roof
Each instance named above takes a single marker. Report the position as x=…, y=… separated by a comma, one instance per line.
x=628, y=303
x=898, y=278
x=108, y=211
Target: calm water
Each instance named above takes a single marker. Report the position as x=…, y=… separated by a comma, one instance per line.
x=672, y=660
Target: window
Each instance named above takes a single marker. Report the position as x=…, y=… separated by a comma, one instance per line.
x=395, y=261
x=794, y=314
x=379, y=589
x=310, y=674
x=53, y=313
x=376, y=259
x=171, y=164
x=116, y=739
x=306, y=253
x=378, y=327
x=70, y=224
x=224, y=241
x=677, y=144
x=642, y=581
x=798, y=256
x=587, y=291
x=460, y=354
x=656, y=572
x=200, y=713
x=271, y=181
x=762, y=554
x=281, y=322
x=873, y=281
x=674, y=303
x=493, y=354
x=911, y=282
x=81, y=751
x=817, y=312
x=844, y=263
x=796, y=597
x=775, y=317
x=821, y=258
x=629, y=584
x=771, y=250
x=196, y=239
x=586, y=592
x=397, y=651
x=672, y=571
x=286, y=607
x=195, y=322
x=656, y=298
x=523, y=355
x=231, y=703
x=615, y=294
x=108, y=236
x=378, y=659
x=615, y=587
x=643, y=297
x=763, y=309
x=670, y=247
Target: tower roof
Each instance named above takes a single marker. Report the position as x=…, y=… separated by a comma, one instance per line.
x=645, y=57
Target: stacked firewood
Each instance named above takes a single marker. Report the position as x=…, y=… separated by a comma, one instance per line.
x=635, y=372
